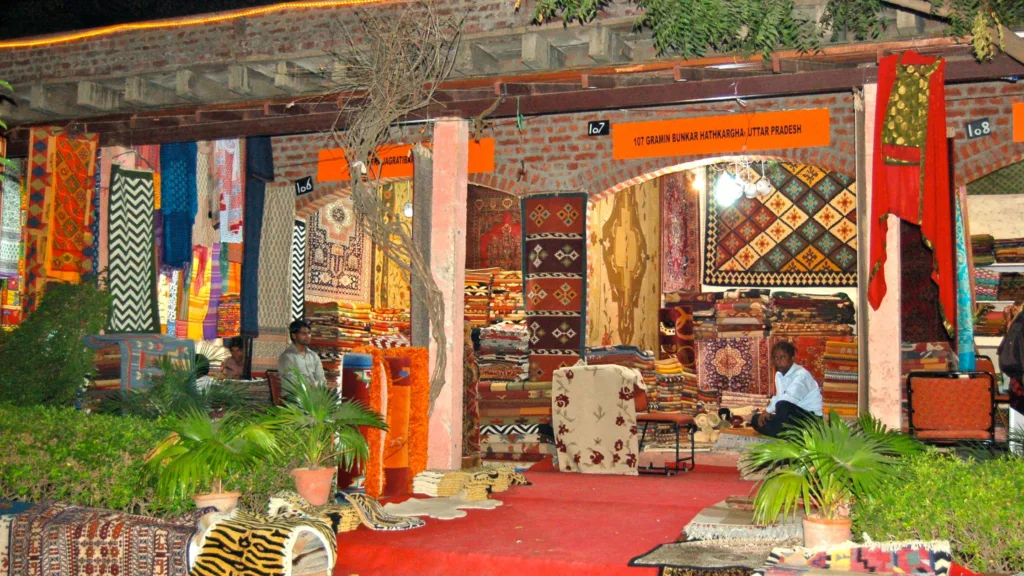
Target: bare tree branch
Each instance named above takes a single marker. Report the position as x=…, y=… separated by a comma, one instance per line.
x=391, y=66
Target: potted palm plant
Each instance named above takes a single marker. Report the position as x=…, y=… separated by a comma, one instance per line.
x=824, y=466
x=325, y=432
x=201, y=453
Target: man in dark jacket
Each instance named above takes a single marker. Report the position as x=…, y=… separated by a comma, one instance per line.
x=1011, y=360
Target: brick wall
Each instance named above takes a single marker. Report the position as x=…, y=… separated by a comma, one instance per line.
x=294, y=32
x=555, y=153
x=992, y=100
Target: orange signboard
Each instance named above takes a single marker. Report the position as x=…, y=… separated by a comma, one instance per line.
x=1018, y=122
x=718, y=134
x=396, y=161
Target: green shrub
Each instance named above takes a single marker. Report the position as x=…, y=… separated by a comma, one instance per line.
x=45, y=358
x=976, y=505
x=52, y=453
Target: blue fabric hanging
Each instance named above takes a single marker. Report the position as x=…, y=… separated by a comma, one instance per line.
x=178, y=200
x=259, y=169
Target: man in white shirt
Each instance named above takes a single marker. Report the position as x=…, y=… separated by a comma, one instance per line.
x=300, y=357
x=797, y=395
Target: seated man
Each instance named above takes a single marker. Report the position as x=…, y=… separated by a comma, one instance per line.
x=797, y=395
x=234, y=365
x=300, y=357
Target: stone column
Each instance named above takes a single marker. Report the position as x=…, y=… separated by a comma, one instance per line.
x=448, y=261
x=883, y=362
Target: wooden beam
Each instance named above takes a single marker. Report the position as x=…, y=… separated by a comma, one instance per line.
x=692, y=74
x=529, y=89
x=540, y=54
x=254, y=123
x=794, y=65
x=98, y=97
x=138, y=90
x=53, y=99
x=194, y=86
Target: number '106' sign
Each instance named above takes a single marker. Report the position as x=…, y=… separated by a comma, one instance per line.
x=979, y=128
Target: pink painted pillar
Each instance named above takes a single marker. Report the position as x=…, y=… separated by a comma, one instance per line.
x=884, y=326
x=448, y=260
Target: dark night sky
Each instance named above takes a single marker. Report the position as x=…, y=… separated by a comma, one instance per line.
x=20, y=18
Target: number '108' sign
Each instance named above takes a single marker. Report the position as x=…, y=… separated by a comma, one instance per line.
x=978, y=128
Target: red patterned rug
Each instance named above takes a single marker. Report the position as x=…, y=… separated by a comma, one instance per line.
x=680, y=232
x=554, y=269
x=494, y=230
x=919, y=302
x=62, y=538
x=735, y=364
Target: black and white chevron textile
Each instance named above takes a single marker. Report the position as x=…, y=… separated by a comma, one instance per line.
x=131, y=263
x=488, y=429
x=299, y=270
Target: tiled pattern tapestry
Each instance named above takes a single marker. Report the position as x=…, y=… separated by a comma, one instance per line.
x=802, y=232
x=554, y=269
x=623, y=271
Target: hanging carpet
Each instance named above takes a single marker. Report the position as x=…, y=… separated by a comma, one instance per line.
x=390, y=282
x=803, y=232
x=911, y=169
x=230, y=182
x=178, y=200
x=554, y=270
x=72, y=163
x=494, y=230
x=275, y=272
x=339, y=261
x=132, y=280
x=299, y=270
x=680, y=231
x=39, y=193
x=259, y=169
x=919, y=297
x=10, y=219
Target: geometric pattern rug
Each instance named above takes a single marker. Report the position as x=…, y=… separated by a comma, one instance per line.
x=299, y=270
x=554, y=272
x=132, y=260
x=801, y=232
x=62, y=538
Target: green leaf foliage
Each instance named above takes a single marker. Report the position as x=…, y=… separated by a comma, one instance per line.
x=319, y=428
x=53, y=453
x=694, y=28
x=860, y=19
x=977, y=505
x=825, y=465
x=45, y=358
x=202, y=454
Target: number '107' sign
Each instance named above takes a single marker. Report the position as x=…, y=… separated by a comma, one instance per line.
x=979, y=128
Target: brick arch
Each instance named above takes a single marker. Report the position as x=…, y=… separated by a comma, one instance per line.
x=499, y=182
x=986, y=162
x=650, y=169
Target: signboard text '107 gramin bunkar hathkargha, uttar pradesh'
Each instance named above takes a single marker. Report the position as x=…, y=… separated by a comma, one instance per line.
x=722, y=134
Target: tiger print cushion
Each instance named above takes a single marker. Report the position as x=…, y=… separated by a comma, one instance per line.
x=242, y=544
x=374, y=516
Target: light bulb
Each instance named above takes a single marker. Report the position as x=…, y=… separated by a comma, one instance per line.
x=407, y=209
x=727, y=190
x=763, y=186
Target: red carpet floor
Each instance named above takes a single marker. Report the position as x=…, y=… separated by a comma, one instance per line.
x=563, y=524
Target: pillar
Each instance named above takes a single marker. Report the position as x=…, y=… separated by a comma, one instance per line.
x=884, y=328
x=448, y=261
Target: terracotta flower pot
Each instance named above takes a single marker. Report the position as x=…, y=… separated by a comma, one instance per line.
x=822, y=532
x=314, y=484
x=222, y=501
